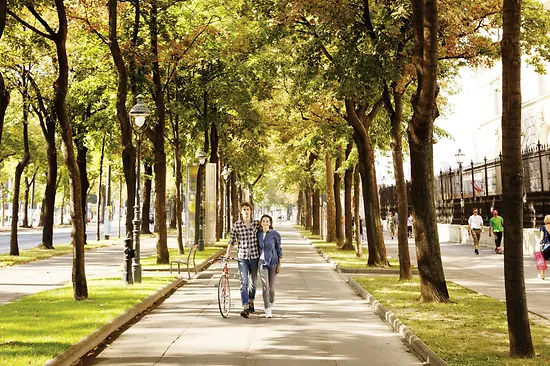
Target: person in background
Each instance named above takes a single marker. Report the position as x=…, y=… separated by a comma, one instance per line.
x=475, y=228
x=270, y=261
x=545, y=241
x=244, y=233
x=496, y=225
x=410, y=226
x=391, y=225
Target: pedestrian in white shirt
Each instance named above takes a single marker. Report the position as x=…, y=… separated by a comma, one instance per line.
x=475, y=228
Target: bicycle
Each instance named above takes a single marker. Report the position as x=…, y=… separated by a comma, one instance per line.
x=224, y=292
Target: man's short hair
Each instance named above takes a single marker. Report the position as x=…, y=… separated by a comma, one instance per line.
x=243, y=204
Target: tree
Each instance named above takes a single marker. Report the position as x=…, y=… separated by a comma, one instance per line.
x=46, y=115
x=23, y=86
x=59, y=38
x=519, y=330
x=430, y=268
x=395, y=112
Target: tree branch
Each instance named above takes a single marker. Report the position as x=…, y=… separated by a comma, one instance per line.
x=27, y=25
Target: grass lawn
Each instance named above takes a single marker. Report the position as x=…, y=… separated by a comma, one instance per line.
x=34, y=254
x=38, y=327
x=344, y=258
x=470, y=331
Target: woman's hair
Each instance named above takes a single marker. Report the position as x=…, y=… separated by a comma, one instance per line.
x=243, y=204
x=547, y=219
x=271, y=220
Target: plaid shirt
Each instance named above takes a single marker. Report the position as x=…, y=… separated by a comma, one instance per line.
x=249, y=248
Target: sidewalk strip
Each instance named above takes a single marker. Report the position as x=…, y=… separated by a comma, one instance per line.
x=386, y=315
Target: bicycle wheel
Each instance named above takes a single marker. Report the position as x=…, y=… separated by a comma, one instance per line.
x=224, y=296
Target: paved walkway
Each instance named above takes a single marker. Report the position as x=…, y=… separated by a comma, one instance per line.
x=318, y=320
x=484, y=273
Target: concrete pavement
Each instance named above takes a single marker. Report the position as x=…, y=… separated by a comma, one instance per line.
x=484, y=273
x=318, y=320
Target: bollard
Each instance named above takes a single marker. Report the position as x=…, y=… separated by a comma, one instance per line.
x=129, y=254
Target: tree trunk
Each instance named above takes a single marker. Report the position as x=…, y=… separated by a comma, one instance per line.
x=25, y=222
x=146, y=198
x=214, y=141
x=433, y=287
x=128, y=150
x=348, y=214
x=179, y=223
x=337, y=201
x=396, y=118
x=99, y=191
x=331, y=206
x=4, y=93
x=198, y=200
x=235, y=204
x=358, y=226
x=300, y=207
x=81, y=153
x=361, y=123
x=14, y=246
x=309, y=211
x=519, y=330
x=156, y=135
x=316, y=212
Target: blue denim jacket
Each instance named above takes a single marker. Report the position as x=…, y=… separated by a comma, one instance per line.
x=271, y=246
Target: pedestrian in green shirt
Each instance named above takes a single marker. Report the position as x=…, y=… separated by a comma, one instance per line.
x=496, y=225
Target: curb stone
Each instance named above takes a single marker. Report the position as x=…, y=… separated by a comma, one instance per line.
x=397, y=325
x=90, y=342
x=387, y=316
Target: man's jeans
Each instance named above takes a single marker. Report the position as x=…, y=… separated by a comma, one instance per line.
x=248, y=267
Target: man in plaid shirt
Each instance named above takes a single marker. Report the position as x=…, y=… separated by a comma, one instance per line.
x=244, y=233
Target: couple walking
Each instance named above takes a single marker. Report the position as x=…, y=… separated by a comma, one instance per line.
x=259, y=247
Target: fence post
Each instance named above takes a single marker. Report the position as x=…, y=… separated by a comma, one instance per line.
x=486, y=179
x=539, y=146
x=451, y=181
x=441, y=184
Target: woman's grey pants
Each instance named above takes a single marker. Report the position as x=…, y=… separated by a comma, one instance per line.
x=268, y=276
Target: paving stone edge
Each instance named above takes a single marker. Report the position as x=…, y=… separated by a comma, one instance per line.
x=389, y=317
x=90, y=342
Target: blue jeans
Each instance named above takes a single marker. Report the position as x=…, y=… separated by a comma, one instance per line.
x=248, y=267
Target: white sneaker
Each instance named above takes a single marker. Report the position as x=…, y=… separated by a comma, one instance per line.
x=268, y=313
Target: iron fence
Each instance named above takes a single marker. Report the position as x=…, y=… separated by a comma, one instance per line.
x=479, y=185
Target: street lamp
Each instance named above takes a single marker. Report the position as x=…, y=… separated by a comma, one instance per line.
x=225, y=175
x=460, y=159
x=201, y=157
x=139, y=112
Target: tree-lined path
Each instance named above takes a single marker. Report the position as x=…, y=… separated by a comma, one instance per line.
x=318, y=320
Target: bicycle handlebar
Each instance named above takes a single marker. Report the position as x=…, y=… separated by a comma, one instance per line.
x=227, y=259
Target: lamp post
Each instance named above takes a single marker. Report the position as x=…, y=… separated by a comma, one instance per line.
x=201, y=157
x=225, y=175
x=139, y=112
x=473, y=182
x=460, y=159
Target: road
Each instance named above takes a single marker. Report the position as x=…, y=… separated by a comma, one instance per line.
x=30, y=238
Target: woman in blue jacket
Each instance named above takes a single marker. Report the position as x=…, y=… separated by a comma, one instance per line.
x=270, y=261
